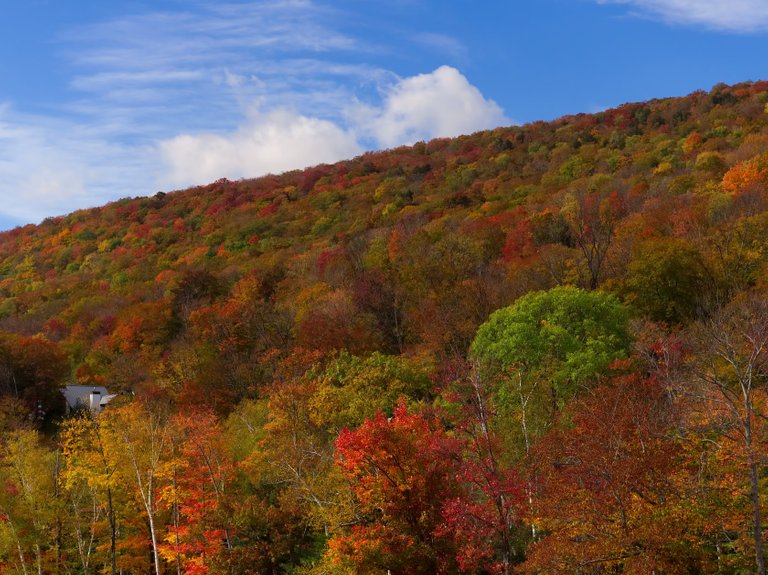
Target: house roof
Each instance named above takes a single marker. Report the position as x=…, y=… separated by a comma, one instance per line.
x=79, y=395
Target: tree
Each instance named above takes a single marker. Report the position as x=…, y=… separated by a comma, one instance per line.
x=746, y=183
x=138, y=440
x=350, y=389
x=197, y=494
x=91, y=469
x=667, y=280
x=591, y=222
x=402, y=471
x=606, y=499
x=297, y=495
x=548, y=345
x=28, y=503
x=332, y=321
x=195, y=288
x=734, y=372
x=231, y=341
x=542, y=351
x=430, y=500
x=484, y=521
x=32, y=369
x=269, y=525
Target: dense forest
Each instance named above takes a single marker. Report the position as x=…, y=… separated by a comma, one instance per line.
x=541, y=349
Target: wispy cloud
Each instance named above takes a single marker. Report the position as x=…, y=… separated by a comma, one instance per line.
x=51, y=167
x=444, y=44
x=159, y=58
x=741, y=16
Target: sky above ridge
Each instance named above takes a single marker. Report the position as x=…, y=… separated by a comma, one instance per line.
x=107, y=99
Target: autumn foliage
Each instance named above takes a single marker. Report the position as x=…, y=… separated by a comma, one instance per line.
x=536, y=349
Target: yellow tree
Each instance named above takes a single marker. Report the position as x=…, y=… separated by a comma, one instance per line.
x=137, y=443
x=296, y=452
x=27, y=503
x=91, y=483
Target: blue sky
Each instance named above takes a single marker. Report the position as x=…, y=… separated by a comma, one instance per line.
x=103, y=99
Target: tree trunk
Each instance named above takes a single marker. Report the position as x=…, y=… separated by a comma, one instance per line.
x=153, y=534
x=112, y=533
x=756, y=518
x=22, y=559
x=754, y=491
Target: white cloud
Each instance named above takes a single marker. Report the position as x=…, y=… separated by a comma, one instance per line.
x=440, y=104
x=729, y=15
x=426, y=106
x=267, y=143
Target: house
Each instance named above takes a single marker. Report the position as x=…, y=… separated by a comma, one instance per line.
x=93, y=397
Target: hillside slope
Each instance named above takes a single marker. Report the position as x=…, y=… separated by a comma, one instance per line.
x=404, y=251
x=538, y=348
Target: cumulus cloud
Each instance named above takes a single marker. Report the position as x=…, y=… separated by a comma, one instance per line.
x=440, y=104
x=266, y=143
x=730, y=15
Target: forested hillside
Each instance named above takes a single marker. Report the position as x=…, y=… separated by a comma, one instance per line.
x=537, y=349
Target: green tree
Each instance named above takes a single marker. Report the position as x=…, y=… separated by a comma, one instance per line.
x=548, y=345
